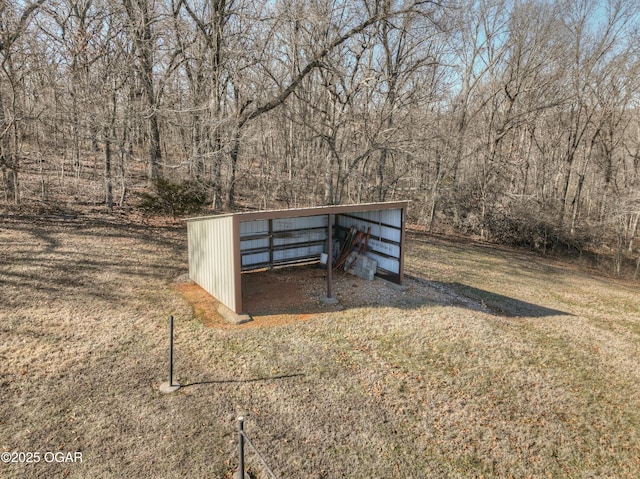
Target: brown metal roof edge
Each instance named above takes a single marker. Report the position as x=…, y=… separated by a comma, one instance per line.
x=307, y=211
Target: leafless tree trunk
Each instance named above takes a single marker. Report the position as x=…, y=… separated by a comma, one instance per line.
x=141, y=16
x=12, y=27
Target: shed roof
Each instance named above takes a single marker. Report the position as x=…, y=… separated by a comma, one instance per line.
x=306, y=211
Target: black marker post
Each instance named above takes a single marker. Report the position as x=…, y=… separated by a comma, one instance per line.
x=170, y=387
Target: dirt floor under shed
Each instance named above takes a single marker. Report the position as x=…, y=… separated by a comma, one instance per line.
x=285, y=295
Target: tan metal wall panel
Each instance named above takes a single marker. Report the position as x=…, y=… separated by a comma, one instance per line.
x=211, y=257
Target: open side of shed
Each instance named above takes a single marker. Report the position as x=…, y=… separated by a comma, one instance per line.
x=222, y=247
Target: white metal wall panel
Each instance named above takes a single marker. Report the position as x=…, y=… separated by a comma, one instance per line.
x=296, y=253
x=246, y=245
x=254, y=259
x=388, y=264
x=377, y=220
x=385, y=236
x=285, y=232
x=391, y=217
x=299, y=223
x=211, y=257
x=283, y=224
x=300, y=236
x=253, y=230
x=248, y=228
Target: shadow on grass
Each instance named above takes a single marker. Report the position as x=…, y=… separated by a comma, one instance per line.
x=61, y=258
x=295, y=291
x=499, y=304
x=252, y=380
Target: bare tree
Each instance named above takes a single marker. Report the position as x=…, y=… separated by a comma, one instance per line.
x=142, y=17
x=13, y=24
x=204, y=33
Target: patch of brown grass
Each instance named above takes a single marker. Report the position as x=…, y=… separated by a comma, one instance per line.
x=493, y=364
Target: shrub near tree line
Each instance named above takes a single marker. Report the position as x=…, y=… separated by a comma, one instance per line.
x=522, y=227
x=173, y=198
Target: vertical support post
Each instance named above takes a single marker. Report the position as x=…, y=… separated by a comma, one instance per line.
x=271, y=243
x=171, y=351
x=241, y=447
x=329, y=254
x=402, y=240
x=169, y=387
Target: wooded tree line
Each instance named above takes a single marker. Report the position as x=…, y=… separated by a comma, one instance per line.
x=516, y=120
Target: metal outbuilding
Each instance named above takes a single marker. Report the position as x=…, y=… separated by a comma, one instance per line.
x=222, y=247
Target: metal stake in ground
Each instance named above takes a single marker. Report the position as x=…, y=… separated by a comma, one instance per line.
x=170, y=386
x=240, y=473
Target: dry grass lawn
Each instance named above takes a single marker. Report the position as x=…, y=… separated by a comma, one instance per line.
x=492, y=364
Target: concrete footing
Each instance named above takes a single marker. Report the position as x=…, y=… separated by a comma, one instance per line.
x=168, y=388
x=396, y=287
x=232, y=317
x=327, y=300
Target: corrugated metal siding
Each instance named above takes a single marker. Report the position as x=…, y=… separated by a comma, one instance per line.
x=211, y=257
x=287, y=224
x=281, y=240
x=389, y=217
x=300, y=236
x=249, y=228
x=385, y=237
x=254, y=235
x=378, y=220
x=390, y=264
x=293, y=254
